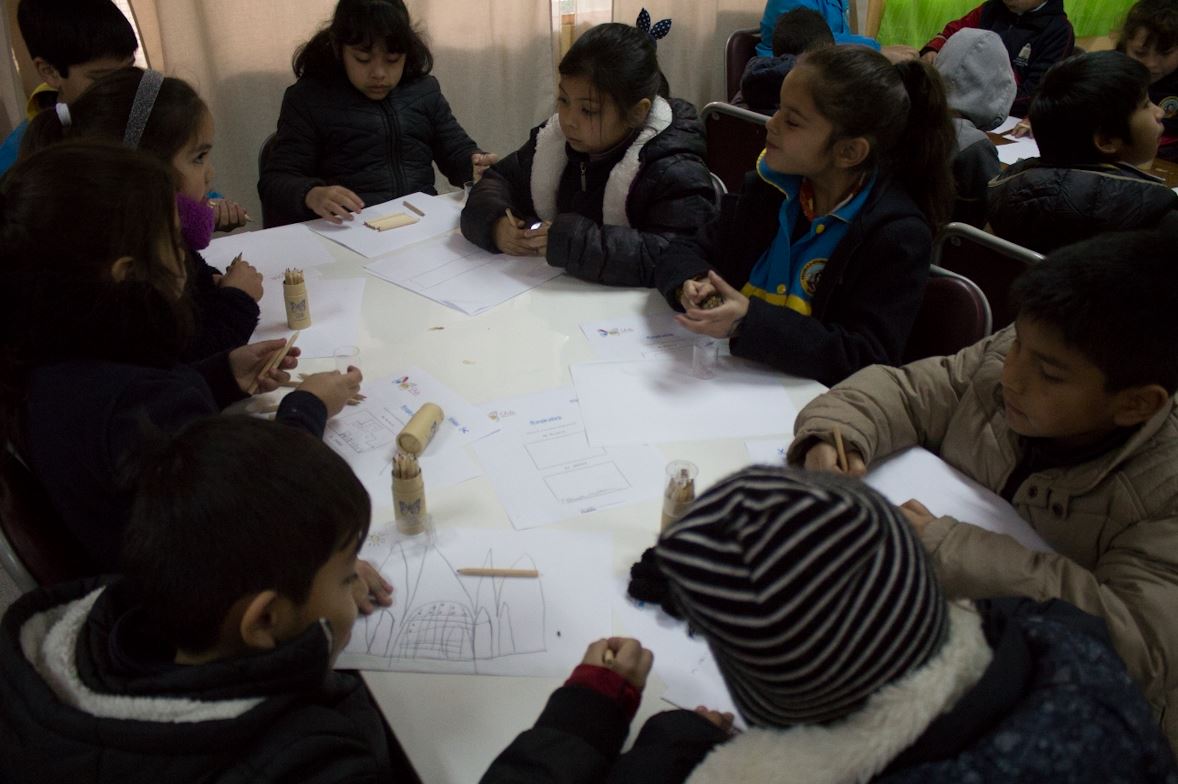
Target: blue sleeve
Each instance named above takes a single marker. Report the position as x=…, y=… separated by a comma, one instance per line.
x=11, y=146
x=833, y=11
x=861, y=40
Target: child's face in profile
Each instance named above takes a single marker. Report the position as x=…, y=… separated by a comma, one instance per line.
x=373, y=69
x=797, y=136
x=591, y=122
x=1051, y=390
x=192, y=162
x=332, y=599
x=1021, y=6
x=82, y=75
x=1160, y=62
x=1145, y=128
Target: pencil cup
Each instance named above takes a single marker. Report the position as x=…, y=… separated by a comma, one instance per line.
x=298, y=311
x=409, y=505
x=680, y=490
x=420, y=429
x=705, y=356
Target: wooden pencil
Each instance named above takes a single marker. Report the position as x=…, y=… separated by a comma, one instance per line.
x=274, y=362
x=840, y=449
x=608, y=656
x=489, y=572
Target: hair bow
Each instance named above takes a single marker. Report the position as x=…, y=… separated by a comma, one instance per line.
x=656, y=32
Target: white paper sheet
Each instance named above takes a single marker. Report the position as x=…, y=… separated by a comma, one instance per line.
x=544, y=470
x=768, y=451
x=460, y=275
x=1017, y=150
x=1007, y=126
x=441, y=217
x=443, y=622
x=659, y=400
x=335, y=314
x=407, y=391
x=918, y=473
x=272, y=251
x=643, y=336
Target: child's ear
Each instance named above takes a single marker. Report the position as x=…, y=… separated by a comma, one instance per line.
x=264, y=620
x=1109, y=146
x=48, y=73
x=1138, y=404
x=120, y=271
x=639, y=113
x=850, y=153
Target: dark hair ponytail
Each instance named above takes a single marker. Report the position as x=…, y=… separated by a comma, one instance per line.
x=906, y=121
x=620, y=61
x=364, y=23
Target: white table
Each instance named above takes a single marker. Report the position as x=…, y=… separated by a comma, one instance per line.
x=453, y=726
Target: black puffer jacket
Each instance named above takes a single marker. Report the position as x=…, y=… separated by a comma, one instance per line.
x=613, y=214
x=1044, y=207
x=329, y=133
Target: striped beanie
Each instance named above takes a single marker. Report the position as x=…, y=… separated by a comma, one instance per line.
x=811, y=589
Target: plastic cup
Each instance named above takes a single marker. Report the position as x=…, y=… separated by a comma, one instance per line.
x=345, y=356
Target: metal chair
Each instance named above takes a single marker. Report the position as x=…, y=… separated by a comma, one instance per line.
x=953, y=314
x=735, y=138
x=989, y=261
x=718, y=186
x=740, y=47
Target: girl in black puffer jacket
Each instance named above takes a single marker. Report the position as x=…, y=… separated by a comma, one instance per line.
x=603, y=186
x=364, y=122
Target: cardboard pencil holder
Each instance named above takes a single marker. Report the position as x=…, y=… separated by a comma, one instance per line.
x=420, y=429
x=298, y=310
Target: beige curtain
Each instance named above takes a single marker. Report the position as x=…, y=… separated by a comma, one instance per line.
x=488, y=55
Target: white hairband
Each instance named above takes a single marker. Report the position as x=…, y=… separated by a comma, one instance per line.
x=149, y=88
x=63, y=114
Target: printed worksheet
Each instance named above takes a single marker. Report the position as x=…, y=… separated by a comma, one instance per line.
x=442, y=621
x=458, y=274
x=768, y=451
x=544, y=470
x=431, y=216
x=642, y=336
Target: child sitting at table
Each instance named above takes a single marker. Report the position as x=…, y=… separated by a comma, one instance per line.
x=841, y=653
x=364, y=123
x=1095, y=126
x=1150, y=36
x=980, y=88
x=836, y=14
x=92, y=322
x=164, y=116
x=1037, y=35
x=797, y=32
x=211, y=660
x=1069, y=414
x=819, y=263
x=610, y=178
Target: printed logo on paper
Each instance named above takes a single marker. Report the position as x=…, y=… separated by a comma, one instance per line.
x=409, y=386
x=614, y=331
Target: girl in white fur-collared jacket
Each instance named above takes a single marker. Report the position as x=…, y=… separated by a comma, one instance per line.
x=602, y=186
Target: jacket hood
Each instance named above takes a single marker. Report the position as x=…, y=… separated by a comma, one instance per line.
x=978, y=79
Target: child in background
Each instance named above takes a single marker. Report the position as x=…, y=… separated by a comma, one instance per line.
x=1150, y=36
x=1095, y=125
x=365, y=121
x=92, y=321
x=178, y=129
x=1037, y=34
x=1069, y=414
x=834, y=12
x=797, y=32
x=822, y=258
x=980, y=88
x=212, y=659
x=72, y=43
x=612, y=176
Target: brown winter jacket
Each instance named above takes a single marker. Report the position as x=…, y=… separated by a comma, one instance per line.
x=1113, y=521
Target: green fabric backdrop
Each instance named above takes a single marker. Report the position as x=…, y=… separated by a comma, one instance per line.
x=916, y=21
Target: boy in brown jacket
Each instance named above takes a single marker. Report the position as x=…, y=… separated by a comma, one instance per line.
x=1068, y=414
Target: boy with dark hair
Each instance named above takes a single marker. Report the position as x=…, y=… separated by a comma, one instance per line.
x=1150, y=36
x=1069, y=414
x=73, y=43
x=796, y=32
x=1095, y=127
x=211, y=660
x=1037, y=34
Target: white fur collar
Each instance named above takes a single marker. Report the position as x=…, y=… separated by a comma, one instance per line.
x=49, y=641
x=550, y=160
x=858, y=747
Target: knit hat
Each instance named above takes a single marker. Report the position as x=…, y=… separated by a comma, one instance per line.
x=811, y=589
x=979, y=82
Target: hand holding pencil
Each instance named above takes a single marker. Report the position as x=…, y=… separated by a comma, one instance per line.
x=262, y=366
x=623, y=655
x=835, y=457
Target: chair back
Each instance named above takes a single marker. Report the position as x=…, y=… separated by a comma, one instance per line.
x=989, y=261
x=735, y=138
x=263, y=157
x=35, y=546
x=738, y=50
x=718, y=186
x=953, y=314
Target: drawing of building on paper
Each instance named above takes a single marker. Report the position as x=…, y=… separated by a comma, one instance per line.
x=440, y=616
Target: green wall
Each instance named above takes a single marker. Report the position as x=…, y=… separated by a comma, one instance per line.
x=916, y=21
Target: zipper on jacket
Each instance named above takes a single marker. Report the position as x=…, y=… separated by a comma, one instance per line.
x=584, y=178
x=393, y=147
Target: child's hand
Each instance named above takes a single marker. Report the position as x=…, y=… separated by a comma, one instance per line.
x=929, y=57
x=480, y=162
x=918, y=516
x=693, y=293
x=1021, y=129
x=899, y=53
x=722, y=720
x=333, y=202
x=515, y=239
x=717, y=322
x=335, y=389
x=628, y=658
x=246, y=362
x=824, y=457
x=242, y=275
x=229, y=215
x=371, y=589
